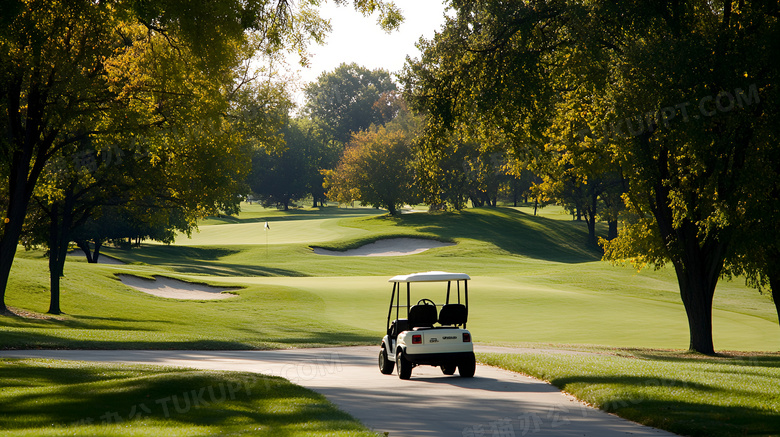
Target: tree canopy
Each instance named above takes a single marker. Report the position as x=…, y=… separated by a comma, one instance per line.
x=680, y=96
x=375, y=169
x=344, y=99
x=134, y=72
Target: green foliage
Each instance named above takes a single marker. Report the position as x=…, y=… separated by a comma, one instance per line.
x=660, y=94
x=453, y=169
x=343, y=100
x=376, y=169
x=279, y=178
x=389, y=16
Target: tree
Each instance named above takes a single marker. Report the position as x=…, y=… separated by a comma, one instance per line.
x=172, y=187
x=461, y=169
x=122, y=224
x=319, y=151
x=375, y=169
x=660, y=87
x=279, y=177
x=344, y=99
x=73, y=70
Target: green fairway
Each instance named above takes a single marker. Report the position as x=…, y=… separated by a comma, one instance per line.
x=533, y=284
x=55, y=398
x=684, y=393
x=524, y=310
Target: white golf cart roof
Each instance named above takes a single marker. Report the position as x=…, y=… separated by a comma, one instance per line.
x=430, y=277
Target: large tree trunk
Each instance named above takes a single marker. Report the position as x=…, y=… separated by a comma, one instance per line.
x=55, y=266
x=92, y=257
x=61, y=223
x=96, y=253
x=8, y=246
x=697, y=298
x=612, y=233
x=20, y=192
x=590, y=219
x=84, y=246
x=698, y=267
x=772, y=270
x=774, y=283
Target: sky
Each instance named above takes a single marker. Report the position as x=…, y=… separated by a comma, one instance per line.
x=359, y=39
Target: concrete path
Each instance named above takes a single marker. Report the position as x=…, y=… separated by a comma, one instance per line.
x=495, y=403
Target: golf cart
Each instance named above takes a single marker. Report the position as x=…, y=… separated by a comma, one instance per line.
x=417, y=339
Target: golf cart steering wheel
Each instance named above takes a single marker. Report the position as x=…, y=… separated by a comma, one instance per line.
x=425, y=302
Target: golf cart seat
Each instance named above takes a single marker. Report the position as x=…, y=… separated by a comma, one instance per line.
x=422, y=316
x=398, y=326
x=453, y=314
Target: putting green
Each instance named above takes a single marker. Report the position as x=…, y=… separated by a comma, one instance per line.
x=280, y=232
x=504, y=310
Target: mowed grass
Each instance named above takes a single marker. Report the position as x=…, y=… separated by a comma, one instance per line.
x=56, y=398
x=687, y=394
x=534, y=283
x=305, y=226
x=101, y=312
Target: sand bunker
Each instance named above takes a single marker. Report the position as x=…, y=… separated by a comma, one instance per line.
x=175, y=289
x=388, y=247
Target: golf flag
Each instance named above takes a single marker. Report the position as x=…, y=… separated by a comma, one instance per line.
x=266, y=226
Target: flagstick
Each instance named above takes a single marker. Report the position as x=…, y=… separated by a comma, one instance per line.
x=267, y=228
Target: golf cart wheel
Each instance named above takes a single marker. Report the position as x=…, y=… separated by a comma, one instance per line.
x=404, y=366
x=448, y=369
x=467, y=367
x=385, y=365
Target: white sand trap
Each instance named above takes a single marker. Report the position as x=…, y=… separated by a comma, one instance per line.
x=388, y=247
x=175, y=289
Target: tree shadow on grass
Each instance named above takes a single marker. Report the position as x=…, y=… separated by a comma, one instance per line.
x=198, y=260
x=228, y=269
x=724, y=358
x=110, y=394
x=639, y=399
x=512, y=231
x=155, y=253
x=26, y=339
x=78, y=321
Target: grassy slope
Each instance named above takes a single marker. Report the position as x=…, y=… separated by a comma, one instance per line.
x=533, y=284
x=683, y=393
x=55, y=398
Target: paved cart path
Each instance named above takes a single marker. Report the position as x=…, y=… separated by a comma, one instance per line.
x=493, y=403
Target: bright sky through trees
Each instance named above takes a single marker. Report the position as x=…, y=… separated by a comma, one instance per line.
x=359, y=39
